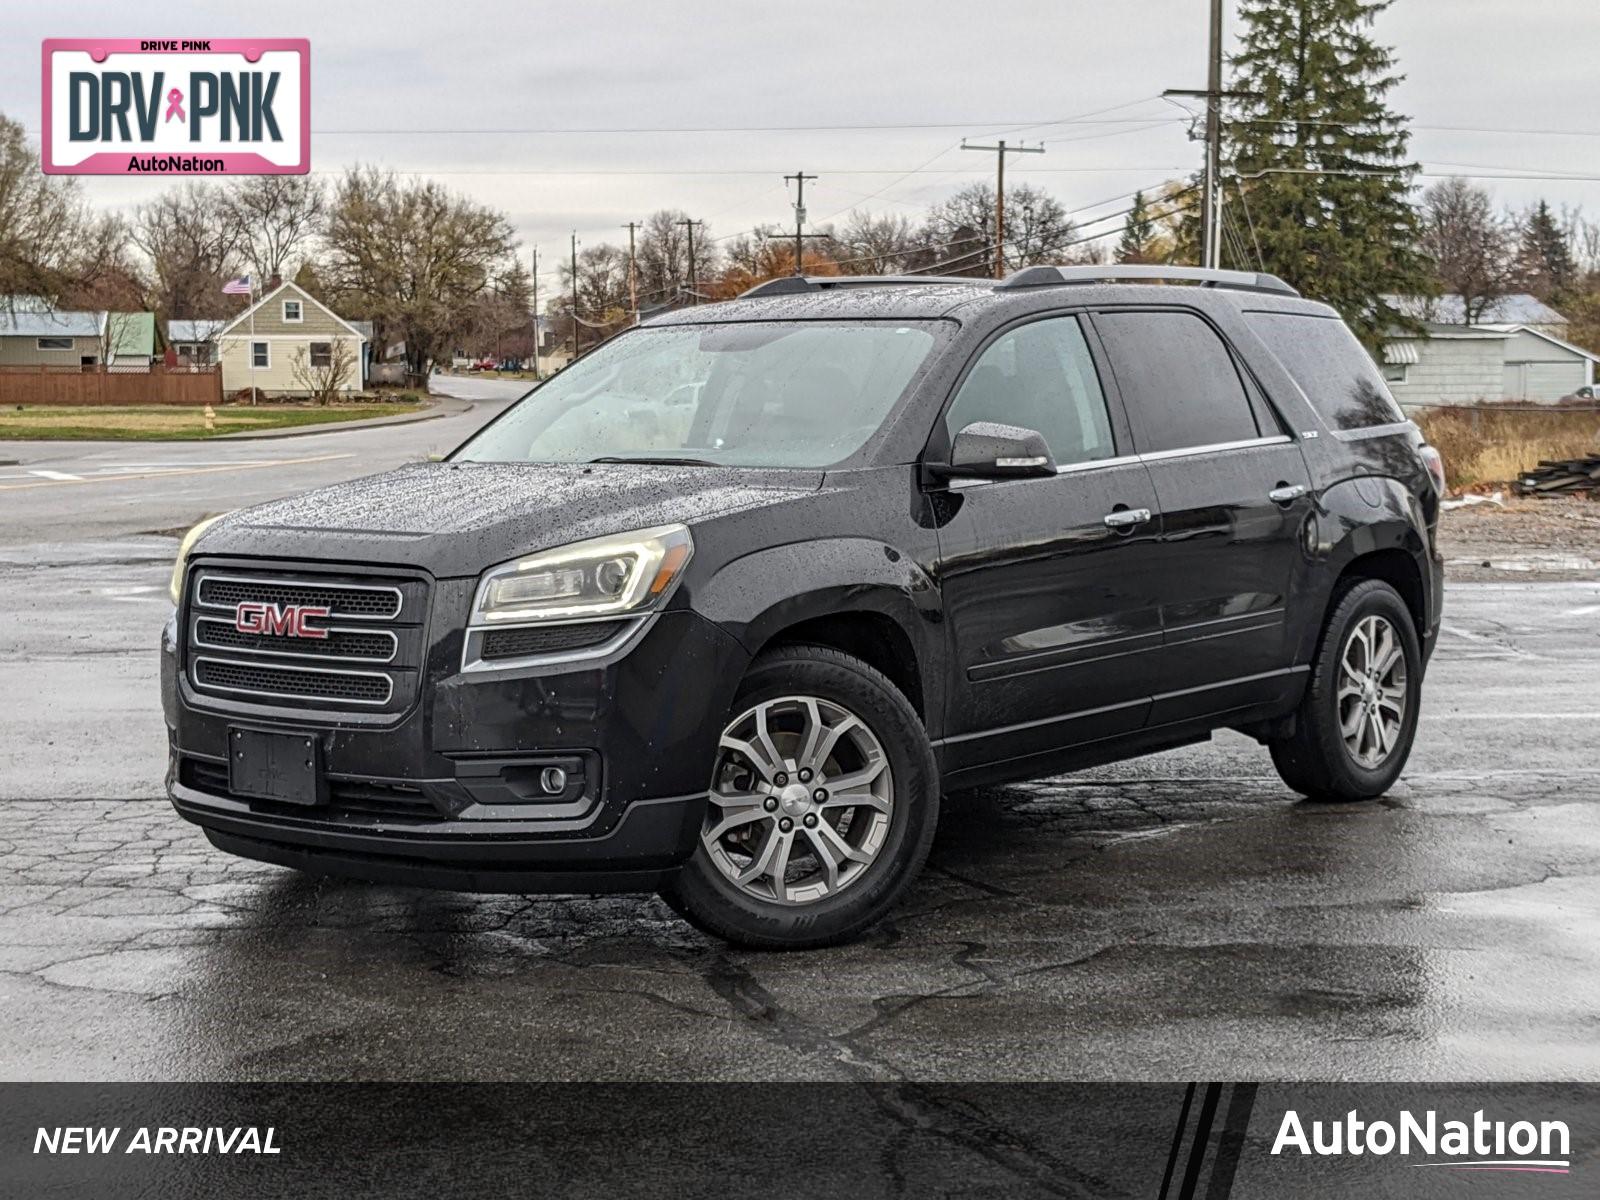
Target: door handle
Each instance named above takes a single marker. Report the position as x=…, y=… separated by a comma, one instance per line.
x=1287, y=493
x=1126, y=518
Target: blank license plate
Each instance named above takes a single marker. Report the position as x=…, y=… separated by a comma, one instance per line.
x=274, y=766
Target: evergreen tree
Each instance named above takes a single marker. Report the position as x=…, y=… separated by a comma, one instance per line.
x=1544, y=260
x=1137, y=234
x=1322, y=160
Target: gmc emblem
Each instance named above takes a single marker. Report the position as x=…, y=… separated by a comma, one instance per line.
x=280, y=620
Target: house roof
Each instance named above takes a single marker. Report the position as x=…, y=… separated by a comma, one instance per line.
x=298, y=291
x=1517, y=308
x=1553, y=340
x=201, y=330
x=133, y=334
x=35, y=323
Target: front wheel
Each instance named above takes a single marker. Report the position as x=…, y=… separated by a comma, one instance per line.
x=1354, y=728
x=823, y=802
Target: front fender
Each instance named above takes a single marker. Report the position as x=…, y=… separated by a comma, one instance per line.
x=756, y=597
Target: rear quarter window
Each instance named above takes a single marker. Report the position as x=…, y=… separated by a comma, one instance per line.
x=1330, y=366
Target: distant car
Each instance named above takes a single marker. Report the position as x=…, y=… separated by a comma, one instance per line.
x=482, y=364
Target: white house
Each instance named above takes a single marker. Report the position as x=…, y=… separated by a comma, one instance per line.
x=278, y=340
x=1516, y=351
x=1466, y=364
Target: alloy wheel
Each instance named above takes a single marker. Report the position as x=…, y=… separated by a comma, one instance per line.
x=801, y=800
x=1372, y=694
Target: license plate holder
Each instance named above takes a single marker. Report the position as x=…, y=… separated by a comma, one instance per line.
x=282, y=767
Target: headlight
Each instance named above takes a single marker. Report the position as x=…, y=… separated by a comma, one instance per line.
x=189, y=539
x=606, y=576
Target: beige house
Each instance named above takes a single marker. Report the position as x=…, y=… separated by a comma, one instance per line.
x=286, y=343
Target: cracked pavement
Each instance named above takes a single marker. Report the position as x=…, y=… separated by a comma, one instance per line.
x=1180, y=916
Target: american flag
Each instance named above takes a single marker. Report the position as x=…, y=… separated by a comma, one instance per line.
x=237, y=287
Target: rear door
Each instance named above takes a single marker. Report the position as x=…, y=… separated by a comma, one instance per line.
x=1234, y=495
x=1053, y=619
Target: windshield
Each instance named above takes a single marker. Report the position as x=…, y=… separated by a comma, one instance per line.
x=749, y=394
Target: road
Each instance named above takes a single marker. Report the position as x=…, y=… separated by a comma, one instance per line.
x=1181, y=916
x=65, y=491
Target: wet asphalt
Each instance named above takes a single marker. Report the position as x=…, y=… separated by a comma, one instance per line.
x=1177, y=917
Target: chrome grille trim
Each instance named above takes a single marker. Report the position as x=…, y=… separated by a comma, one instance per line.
x=301, y=584
x=194, y=678
x=200, y=643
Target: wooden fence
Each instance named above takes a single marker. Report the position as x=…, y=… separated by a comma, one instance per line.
x=92, y=386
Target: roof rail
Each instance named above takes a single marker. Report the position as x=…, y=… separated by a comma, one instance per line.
x=1247, y=281
x=791, y=285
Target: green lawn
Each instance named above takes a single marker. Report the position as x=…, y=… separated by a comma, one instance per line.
x=42, y=422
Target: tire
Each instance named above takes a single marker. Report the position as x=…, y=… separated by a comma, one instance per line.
x=1319, y=759
x=794, y=689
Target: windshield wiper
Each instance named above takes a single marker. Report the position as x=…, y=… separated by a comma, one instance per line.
x=670, y=462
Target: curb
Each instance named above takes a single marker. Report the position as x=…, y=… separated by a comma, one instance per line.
x=331, y=427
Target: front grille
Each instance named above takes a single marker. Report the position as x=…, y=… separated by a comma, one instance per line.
x=356, y=602
x=293, y=683
x=552, y=639
x=357, y=645
x=370, y=659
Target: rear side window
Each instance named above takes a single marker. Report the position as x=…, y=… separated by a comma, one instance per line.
x=1178, y=380
x=1040, y=376
x=1330, y=366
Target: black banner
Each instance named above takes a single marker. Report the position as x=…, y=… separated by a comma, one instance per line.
x=1157, y=1141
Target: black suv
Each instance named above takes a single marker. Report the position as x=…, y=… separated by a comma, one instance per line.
x=722, y=609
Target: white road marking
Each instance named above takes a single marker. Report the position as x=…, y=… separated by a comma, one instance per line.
x=1585, y=611
x=169, y=474
x=60, y=476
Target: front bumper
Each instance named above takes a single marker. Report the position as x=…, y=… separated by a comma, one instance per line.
x=442, y=795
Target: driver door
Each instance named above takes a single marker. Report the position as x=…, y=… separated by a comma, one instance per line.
x=1053, y=614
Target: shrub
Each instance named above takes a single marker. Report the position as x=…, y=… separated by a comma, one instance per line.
x=1483, y=445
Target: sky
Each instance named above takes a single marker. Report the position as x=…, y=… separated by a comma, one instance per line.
x=583, y=116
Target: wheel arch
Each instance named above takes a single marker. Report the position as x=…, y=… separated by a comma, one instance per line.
x=855, y=595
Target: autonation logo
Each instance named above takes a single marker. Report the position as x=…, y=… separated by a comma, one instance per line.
x=1476, y=1145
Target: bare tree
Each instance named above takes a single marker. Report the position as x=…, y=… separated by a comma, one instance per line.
x=50, y=243
x=320, y=375
x=412, y=257
x=1037, y=228
x=663, y=257
x=192, y=247
x=276, y=216
x=871, y=245
x=1472, y=246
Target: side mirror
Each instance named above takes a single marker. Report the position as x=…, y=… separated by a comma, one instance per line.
x=989, y=450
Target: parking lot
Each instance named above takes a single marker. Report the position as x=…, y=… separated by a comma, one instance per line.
x=1181, y=916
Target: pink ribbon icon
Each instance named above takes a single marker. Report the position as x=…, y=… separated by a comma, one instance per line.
x=175, y=105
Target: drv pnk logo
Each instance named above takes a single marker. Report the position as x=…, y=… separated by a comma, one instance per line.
x=235, y=106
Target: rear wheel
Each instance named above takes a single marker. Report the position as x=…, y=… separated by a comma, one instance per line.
x=822, y=805
x=1354, y=728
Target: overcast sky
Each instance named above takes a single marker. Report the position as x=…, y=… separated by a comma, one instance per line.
x=386, y=76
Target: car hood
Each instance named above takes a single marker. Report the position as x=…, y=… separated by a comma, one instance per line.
x=455, y=519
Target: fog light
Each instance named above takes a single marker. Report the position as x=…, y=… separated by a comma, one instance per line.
x=553, y=780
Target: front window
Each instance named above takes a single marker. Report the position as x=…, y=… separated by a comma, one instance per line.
x=260, y=355
x=291, y=310
x=752, y=394
x=322, y=354
x=48, y=343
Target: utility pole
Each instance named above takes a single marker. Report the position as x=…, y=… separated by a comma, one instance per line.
x=1000, y=149
x=574, y=293
x=694, y=280
x=633, y=274
x=1211, y=186
x=799, y=178
x=535, y=282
